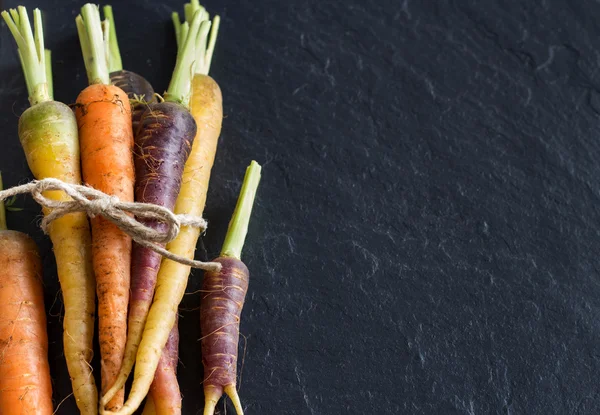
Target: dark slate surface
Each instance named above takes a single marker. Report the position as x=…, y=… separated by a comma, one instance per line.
x=426, y=237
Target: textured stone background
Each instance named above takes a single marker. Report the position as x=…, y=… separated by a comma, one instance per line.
x=426, y=234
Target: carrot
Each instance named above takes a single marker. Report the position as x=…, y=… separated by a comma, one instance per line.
x=222, y=304
x=165, y=389
x=138, y=89
x=104, y=119
x=25, y=384
x=172, y=276
x=48, y=134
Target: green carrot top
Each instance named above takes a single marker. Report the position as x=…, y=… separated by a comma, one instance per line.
x=93, y=36
x=114, y=55
x=205, y=45
x=238, y=227
x=35, y=60
x=189, y=37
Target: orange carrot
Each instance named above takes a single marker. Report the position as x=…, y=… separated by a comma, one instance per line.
x=25, y=385
x=106, y=138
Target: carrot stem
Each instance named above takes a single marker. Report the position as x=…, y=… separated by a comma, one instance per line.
x=181, y=81
x=211, y=46
x=114, y=57
x=93, y=44
x=238, y=227
x=189, y=11
x=31, y=51
x=177, y=25
x=49, y=80
x=206, y=44
x=3, y=225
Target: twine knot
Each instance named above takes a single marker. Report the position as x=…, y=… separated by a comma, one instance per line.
x=98, y=206
x=128, y=216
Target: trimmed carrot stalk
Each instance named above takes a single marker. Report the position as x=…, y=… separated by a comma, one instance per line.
x=105, y=133
x=166, y=397
x=138, y=89
x=172, y=276
x=25, y=384
x=48, y=135
x=221, y=306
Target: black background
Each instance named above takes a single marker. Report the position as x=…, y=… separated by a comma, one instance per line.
x=426, y=234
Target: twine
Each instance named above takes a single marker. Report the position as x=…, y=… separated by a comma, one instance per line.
x=96, y=203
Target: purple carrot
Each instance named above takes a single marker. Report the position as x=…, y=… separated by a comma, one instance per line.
x=221, y=306
x=162, y=146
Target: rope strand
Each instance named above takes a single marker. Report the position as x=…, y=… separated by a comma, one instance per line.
x=123, y=214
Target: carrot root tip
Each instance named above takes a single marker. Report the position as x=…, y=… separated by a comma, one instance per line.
x=231, y=391
x=211, y=398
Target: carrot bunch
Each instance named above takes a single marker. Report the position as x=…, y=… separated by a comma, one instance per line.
x=137, y=148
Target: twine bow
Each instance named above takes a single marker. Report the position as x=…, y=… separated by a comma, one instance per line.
x=96, y=203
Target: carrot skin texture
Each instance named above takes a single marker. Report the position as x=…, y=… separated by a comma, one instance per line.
x=220, y=310
x=25, y=385
x=134, y=84
x=165, y=392
x=48, y=135
x=106, y=138
x=163, y=144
